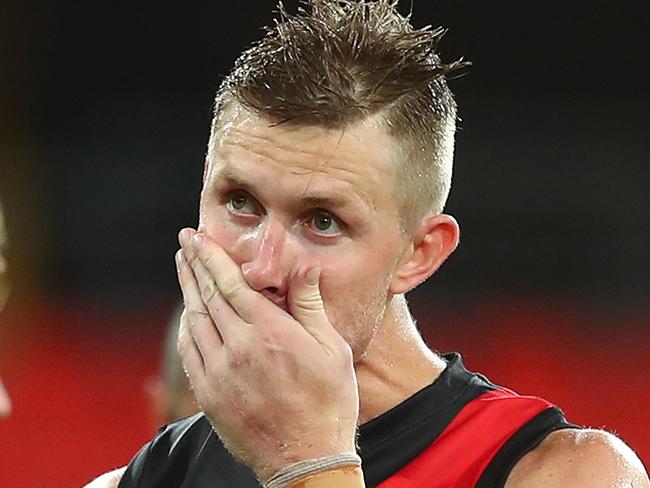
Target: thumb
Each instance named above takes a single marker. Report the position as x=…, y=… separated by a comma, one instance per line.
x=306, y=306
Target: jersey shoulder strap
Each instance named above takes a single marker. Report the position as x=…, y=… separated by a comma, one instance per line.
x=465, y=450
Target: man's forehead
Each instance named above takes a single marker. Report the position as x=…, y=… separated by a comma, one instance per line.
x=362, y=159
x=366, y=139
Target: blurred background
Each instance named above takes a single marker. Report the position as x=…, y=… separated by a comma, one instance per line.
x=104, y=115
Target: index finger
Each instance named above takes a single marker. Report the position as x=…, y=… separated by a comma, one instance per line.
x=228, y=278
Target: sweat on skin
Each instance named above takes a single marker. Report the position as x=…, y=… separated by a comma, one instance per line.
x=328, y=208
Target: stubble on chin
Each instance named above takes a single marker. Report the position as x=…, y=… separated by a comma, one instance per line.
x=360, y=323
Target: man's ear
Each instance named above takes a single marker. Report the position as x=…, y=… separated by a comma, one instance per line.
x=432, y=242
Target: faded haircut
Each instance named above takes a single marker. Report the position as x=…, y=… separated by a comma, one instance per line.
x=337, y=62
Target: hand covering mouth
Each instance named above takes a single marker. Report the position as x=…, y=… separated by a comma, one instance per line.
x=281, y=302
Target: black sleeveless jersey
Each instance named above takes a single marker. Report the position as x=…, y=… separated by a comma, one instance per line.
x=460, y=431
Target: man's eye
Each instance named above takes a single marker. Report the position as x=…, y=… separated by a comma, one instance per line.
x=241, y=202
x=325, y=224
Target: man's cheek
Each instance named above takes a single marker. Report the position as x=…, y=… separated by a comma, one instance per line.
x=207, y=208
x=215, y=225
x=345, y=277
x=334, y=297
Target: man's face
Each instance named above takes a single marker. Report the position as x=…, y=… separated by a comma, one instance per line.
x=277, y=198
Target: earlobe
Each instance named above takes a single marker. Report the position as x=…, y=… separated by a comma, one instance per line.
x=432, y=242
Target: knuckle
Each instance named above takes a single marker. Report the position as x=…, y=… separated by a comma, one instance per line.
x=213, y=370
x=209, y=292
x=231, y=287
x=192, y=317
x=183, y=275
x=274, y=340
x=194, y=261
x=310, y=302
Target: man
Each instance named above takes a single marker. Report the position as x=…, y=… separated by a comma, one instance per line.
x=328, y=166
x=169, y=392
x=5, y=401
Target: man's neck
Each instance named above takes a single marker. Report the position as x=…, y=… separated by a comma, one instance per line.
x=396, y=365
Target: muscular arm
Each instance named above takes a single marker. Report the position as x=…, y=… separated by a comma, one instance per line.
x=580, y=459
x=108, y=480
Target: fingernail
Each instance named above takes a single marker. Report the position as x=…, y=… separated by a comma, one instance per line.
x=180, y=259
x=197, y=240
x=184, y=236
x=312, y=276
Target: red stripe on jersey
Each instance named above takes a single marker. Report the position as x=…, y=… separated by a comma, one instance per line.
x=460, y=454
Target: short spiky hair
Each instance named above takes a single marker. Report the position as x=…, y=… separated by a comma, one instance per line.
x=337, y=62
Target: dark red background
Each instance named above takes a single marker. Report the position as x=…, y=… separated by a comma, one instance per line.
x=80, y=406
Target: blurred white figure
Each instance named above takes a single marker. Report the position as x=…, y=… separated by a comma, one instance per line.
x=5, y=401
x=169, y=393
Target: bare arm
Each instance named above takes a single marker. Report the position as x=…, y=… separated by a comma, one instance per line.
x=580, y=459
x=108, y=480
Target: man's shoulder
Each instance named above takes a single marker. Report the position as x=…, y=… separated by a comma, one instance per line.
x=187, y=453
x=167, y=440
x=174, y=444
x=578, y=458
x=197, y=424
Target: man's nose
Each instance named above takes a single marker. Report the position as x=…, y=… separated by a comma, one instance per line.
x=266, y=271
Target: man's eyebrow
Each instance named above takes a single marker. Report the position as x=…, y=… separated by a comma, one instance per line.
x=308, y=199
x=233, y=179
x=325, y=201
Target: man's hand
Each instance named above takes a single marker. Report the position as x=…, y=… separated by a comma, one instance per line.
x=277, y=387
